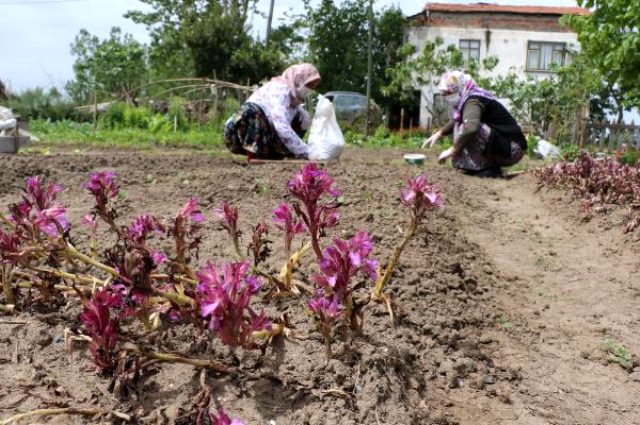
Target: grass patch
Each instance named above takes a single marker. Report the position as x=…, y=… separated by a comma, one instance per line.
x=75, y=133
x=617, y=353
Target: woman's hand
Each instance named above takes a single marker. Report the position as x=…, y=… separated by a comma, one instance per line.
x=432, y=140
x=445, y=155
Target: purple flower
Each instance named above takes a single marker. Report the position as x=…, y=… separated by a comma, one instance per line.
x=224, y=296
x=9, y=247
x=190, y=211
x=327, y=310
x=101, y=327
x=186, y=230
x=344, y=259
x=311, y=183
x=52, y=220
x=158, y=258
x=229, y=218
x=103, y=186
x=38, y=195
x=89, y=220
x=285, y=221
x=223, y=419
x=421, y=196
x=259, y=243
x=139, y=230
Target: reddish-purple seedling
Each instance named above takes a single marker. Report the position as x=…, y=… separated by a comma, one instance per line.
x=186, y=231
x=327, y=309
x=223, y=419
x=309, y=186
x=419, y=197
x=104, y=188
x=102, y=327
x=224, y=296
x=290, y=225
x=229, y=218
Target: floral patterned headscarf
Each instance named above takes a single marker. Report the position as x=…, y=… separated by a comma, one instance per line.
x=463, y=84
x=296, y=77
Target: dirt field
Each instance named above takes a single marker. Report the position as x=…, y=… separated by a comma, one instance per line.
x=506, y=298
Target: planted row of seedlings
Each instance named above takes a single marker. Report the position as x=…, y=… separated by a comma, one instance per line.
x=132, y=292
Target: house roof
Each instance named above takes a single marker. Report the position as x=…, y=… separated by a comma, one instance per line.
x=495, y=8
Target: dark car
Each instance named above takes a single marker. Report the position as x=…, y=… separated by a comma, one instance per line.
x=351, y=108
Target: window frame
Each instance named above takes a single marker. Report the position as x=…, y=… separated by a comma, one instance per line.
x=466, y=51
x=554, y=49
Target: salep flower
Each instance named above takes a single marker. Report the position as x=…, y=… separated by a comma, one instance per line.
x=101, y=326
x=37, y=213
x=259, y=245
x=420, y=196
x=224, y=295
x=39, y=196
x=344, y=259
x=186, y=230
x=228, y=216
x=290, y=225
x=327, y=309
x=52, y=221
x=103, y=186
x=141, y=228
x=223, y=419
x=309, y=186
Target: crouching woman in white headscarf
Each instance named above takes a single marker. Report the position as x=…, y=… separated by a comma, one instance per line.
x=486, y=137
x=269, y=125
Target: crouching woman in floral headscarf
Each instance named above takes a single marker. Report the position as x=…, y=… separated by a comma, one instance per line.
x=270, y=123
x=485, y=135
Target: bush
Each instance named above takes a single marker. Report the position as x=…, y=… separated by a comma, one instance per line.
x=38, y=104
x=121, y=115
x=630, y=157
x=532, y=145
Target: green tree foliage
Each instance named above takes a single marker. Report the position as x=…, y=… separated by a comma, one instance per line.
x=38, y=103
x=206, y=38
x=414, y=70
x=610, y=47
x=337, y=42
x=114, y=67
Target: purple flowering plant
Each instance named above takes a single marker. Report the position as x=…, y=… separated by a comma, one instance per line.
x=311, y=186
x=223, y=419
x=419, y=197
x=224, y=295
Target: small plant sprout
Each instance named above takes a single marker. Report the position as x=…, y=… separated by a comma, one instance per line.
x=327, y=311
x=102, y=327
x=186, y=229
x=102, y=185
x=310, y=186
x=341, y=262
x=222, y=419
x=228, y=216
x=224, y=297
x=290, y=225
x=419, y=197
x=259, y=246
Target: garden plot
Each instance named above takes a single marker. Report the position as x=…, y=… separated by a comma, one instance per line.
x=453, y=356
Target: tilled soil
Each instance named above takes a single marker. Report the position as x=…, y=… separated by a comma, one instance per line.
x=503, y=301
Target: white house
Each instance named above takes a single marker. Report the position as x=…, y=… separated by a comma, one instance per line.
x=525, y=39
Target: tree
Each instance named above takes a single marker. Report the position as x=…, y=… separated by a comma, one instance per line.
x=610, y=43
x=206, y=38
x=114, y=67
x=421, y=71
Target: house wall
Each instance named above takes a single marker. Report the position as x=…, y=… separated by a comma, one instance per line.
x=504, y=37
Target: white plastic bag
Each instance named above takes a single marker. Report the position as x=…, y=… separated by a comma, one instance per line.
x=547, y=150
x=326, y=141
